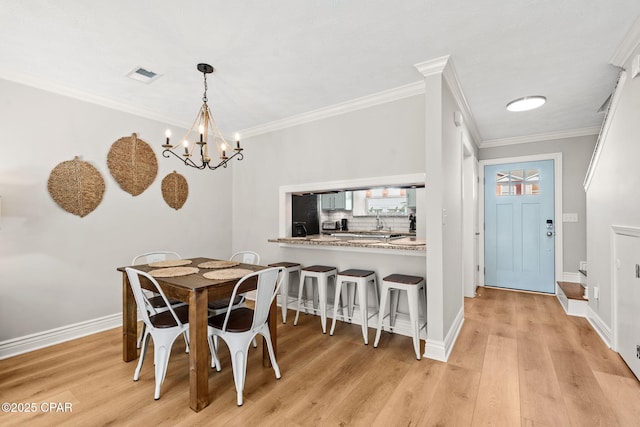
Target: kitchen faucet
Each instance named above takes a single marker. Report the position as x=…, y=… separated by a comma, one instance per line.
x=378, y=222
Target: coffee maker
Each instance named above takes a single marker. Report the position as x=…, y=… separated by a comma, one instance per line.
x=344, y=224
x=299, y=229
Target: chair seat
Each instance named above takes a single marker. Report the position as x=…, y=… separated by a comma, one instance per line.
x=285, y=264
x=356, y=273
x=158, y=302
x=318, y=268
x=403, y=279
x=224, y=303
x=166, y=320
x=240, y=320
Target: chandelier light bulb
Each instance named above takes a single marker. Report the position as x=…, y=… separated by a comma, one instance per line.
x=168, y=133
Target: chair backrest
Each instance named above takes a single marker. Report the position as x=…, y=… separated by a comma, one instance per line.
x=154, y=256
x=269, y=281
x=246, y=257
x=142, y=301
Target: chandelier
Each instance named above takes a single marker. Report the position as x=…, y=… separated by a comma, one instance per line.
x=205, y=126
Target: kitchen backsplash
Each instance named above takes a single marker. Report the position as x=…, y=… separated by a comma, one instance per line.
x=367, y=223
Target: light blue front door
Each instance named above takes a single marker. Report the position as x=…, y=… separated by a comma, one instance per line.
x=520, y=226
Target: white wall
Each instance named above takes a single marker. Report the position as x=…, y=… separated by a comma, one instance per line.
x=443, y=189
x=58, y=269
x=452, y=245
x=384, y=140
x=576, y=153
x=612, y=197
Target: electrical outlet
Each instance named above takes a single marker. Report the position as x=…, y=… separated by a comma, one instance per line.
x=569, y=217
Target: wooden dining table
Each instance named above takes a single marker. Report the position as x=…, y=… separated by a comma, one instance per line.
x=197, y=291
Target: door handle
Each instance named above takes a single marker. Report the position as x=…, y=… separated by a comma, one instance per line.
x=637, y=271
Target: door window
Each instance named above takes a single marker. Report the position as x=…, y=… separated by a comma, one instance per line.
x=518, y=182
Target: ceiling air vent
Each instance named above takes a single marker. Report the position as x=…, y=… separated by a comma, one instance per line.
x=143, y=75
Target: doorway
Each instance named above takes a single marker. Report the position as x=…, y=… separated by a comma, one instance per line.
x=521, y=211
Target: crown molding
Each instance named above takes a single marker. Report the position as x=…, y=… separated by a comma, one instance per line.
x=32, y=81
x=444, y=65
x=629, y=44
x=433, y=66
x=383, y=97
x=604, y=131
x=451, y=77
x=547, y=136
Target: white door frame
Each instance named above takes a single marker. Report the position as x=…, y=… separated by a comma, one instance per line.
x=469, y=218
x=557, y=170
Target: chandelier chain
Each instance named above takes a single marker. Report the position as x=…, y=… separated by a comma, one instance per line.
x=204, y=96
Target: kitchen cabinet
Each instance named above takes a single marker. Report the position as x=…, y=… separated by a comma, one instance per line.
x=411, y=198
x=336, y=201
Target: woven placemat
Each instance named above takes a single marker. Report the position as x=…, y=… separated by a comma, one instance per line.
x=170, y=263
x=76, y=186
x=229, y=273
x=175, y=190
x=173, y=271
x=218, y=264
x=132, y=164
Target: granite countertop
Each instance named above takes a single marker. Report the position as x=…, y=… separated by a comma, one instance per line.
x=366, y=232
x=405, y=243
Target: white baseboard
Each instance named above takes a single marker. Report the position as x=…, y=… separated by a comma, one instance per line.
x=27, y=343
x=441, y=350
x=571, y=277
x=600, y=327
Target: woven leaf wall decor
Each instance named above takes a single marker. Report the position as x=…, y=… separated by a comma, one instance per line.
x=76, y=186
x=175, y=190
x=132, y=164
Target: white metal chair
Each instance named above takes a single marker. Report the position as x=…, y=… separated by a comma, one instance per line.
x=239, y=327
x=156, y=304
x=163, y=327
x=246, y=257
x=220, y=306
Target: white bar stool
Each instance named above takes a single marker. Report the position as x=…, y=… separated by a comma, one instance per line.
x=416, y=295
x=321, y=273
x=289, y=267
x=359, y=280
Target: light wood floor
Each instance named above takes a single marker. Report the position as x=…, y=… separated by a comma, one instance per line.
x=519, y=360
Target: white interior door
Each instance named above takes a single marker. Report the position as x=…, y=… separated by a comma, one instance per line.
x=627, y=282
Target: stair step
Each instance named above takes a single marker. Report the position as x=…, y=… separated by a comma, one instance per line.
x=573, y=291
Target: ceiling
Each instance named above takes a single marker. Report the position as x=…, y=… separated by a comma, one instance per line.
x=276, y=59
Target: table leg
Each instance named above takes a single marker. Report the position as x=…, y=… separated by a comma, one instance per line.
x=273, y=324
x=198, y=351
x=129, y=322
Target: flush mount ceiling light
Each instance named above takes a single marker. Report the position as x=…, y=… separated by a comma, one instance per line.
x=205, y=125
x=526, y=103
